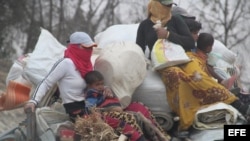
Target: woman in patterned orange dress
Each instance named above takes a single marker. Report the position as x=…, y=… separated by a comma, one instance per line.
x=191, y=86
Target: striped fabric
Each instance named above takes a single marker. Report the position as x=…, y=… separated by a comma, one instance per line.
x=16, y=95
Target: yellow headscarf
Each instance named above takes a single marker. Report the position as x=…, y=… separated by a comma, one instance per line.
x=158, y=11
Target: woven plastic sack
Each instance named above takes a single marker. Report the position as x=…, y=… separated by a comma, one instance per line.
x=167, y=54
x=47, y=51
x=115, y=33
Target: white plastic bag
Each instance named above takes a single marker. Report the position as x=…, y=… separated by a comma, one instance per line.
x=166, y=54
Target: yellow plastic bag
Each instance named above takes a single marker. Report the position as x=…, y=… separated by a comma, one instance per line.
x=167, y=54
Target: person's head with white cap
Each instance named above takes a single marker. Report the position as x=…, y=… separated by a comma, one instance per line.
x=79, y=50
x=82, y=38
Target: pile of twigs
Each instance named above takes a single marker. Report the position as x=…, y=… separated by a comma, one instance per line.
x=93, y=128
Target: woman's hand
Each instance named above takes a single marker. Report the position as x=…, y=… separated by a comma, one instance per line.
x=162, y=33
x=28, y=106
x=107, y=92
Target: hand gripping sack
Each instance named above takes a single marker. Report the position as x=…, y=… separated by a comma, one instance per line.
x=167, y=54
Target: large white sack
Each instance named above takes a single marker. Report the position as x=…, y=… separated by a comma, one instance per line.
x=123, y=66
x=46, y=52
x=221, y=53
x=116, y=33
x=222, y=59
x=16, y=71
x=152, y=93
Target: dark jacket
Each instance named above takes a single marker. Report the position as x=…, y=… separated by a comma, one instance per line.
x=179, y=34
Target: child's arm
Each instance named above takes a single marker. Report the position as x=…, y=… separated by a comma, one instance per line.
x=93, y=97
x=211, y=71
x=108, y=92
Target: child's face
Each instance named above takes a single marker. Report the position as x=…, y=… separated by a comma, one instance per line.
x=98, y=85
x=209, y=49
x=195, y=35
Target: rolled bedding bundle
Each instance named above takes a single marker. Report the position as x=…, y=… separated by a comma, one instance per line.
x=152, y=93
